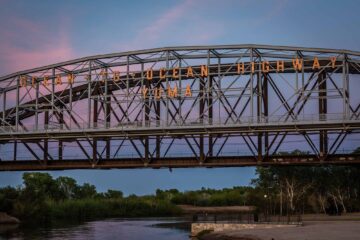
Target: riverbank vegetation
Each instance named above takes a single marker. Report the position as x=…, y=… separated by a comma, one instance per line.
x=42, y=198
x=285, y=190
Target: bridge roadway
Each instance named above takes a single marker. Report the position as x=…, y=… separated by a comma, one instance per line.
x=182, y=162
x=142, y=129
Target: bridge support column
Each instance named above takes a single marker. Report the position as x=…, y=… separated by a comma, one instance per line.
x=147, y=123
x=46, y=146
x=15, y=150
x=94, y=151
x=146, y=153
x=95, y=119
x=323, y=139
x=259, y=113
x=108, y=148
x=266, y=110
x=211, y=115
x=201, y=117
x=158, y=112
x=108, y=122
x=60, y=146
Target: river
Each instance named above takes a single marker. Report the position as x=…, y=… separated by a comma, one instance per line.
x=127, y=229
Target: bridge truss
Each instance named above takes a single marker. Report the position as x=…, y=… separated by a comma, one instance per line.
x=232, y=105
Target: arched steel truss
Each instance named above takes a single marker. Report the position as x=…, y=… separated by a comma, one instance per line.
x=106, y=112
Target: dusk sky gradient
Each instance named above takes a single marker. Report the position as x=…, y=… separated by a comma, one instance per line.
x=36, y=33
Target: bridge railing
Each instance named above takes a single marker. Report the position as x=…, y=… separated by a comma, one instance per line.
x=276, y=120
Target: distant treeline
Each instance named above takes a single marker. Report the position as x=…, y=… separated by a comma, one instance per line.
x=286, y=190
x=42, y=198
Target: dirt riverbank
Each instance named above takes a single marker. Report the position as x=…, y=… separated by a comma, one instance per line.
x=7, y=219
x=311, y=230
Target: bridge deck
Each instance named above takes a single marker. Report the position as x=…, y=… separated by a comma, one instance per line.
x=183, y=162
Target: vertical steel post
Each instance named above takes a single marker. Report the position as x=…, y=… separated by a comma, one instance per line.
x=219, y=90
x=107, y=100
x=15, y=149
x=89, y=95
x=70, y=101
x=166, y=86
x=158, y=112
x=158, y=118
x=259, y=92
x=211, y=116
x=17, y=103
x=127, y=87
x=146, y=150
x=259, y=109
x=180, y=93
x=302, y=88
x=4, y=106
x=266, y=109
x=344, y=85
x=108, y=148
x=52, y=92
x=95, y=120
x=60, y=146
x=251, y=87
x=323, y=140
x=146, y=112
x=107, y=114
x=46, y=145
x=37, y=105
x=94, y=150
x=143, y=109
x=201, y=112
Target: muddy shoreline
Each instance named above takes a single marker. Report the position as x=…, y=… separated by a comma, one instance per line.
x=7, y=219
x=311, y=230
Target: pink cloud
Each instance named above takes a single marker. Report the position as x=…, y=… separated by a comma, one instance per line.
x=26, y=44
x=164, y=21
x=182, y=19
x=150, y=35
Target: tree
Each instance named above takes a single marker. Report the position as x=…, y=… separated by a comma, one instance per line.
x=39, y=186
x=293, y=182
x=67, y=187
x=357, y=150
x=85, y=191
x=113, y=194
x=8, y=196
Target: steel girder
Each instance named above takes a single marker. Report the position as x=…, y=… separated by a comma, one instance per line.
x=106, y=108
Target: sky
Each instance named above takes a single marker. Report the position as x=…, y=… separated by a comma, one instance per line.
x=36, y=33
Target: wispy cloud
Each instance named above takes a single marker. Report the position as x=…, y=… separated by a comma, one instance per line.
x=26, y=44
x=173, y=24
x=277, y=7
x=164, y=21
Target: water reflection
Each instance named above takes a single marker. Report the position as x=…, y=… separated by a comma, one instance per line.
x=129, y=229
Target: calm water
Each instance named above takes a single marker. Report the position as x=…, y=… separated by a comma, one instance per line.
x=154, y=229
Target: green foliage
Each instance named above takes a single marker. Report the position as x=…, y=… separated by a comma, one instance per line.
x=357, y=151
x=8, y=195
x=39, y=186
x=203, y=233
x=115, y=194
x=331, y=189
x=212, y=197
x=85, y=191
x=44, y=198
x=67, y=187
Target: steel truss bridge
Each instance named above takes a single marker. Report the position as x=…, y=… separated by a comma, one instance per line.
x=249, y=105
